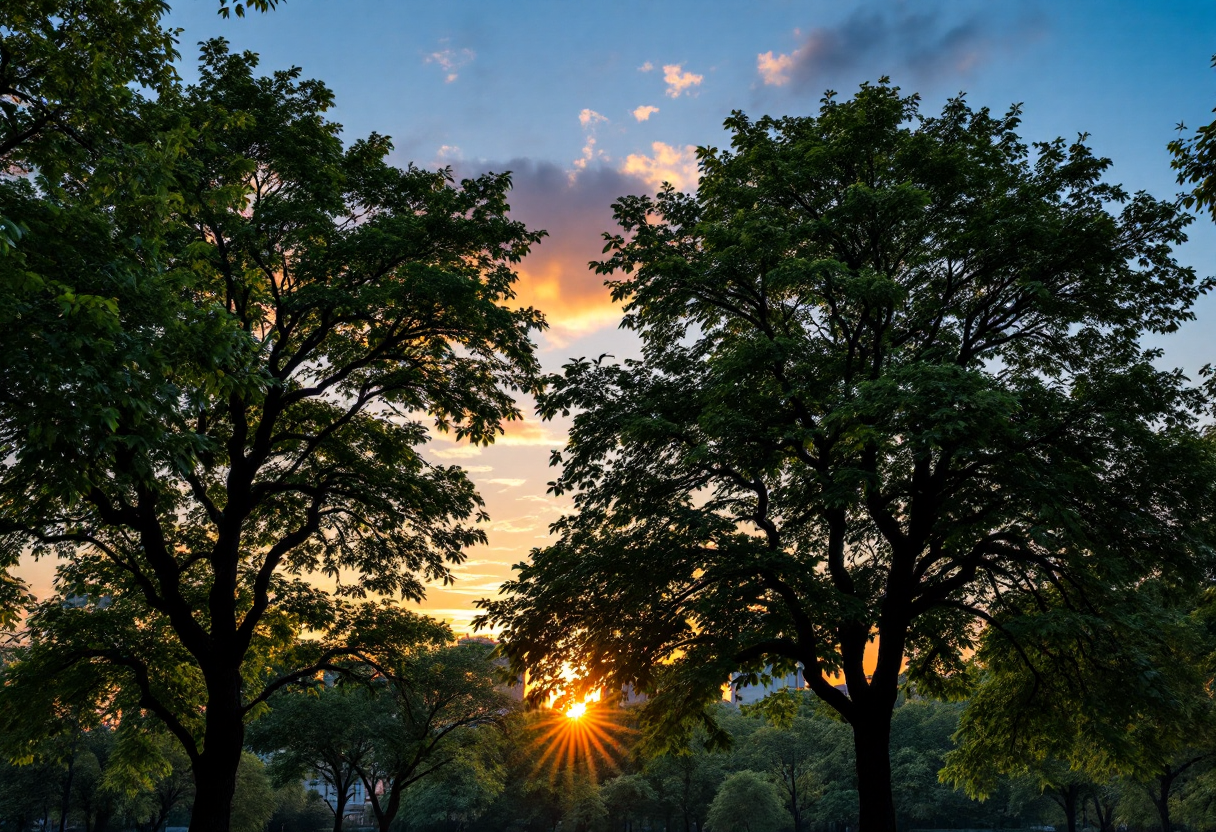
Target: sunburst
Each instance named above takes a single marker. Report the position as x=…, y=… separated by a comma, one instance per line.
x=583, y=739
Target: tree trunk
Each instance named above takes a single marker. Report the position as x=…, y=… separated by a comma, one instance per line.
x=215, y=770
x=1105, y=812
x=67, y=791
x=1162, y=799
x=1069, y=803
x=340, y=809
x=872, y=745
x=1163, y=811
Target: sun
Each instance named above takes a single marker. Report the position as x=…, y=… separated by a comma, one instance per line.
x=580, y=739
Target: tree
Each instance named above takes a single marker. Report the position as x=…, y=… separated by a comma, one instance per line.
x=282, y=327
x=65, y=67
x=253, y=800
x=789, y=755
x=460, y=793
x=746, y=802
x=687, y=781
x=891, y=385
x=321, y=732
x=1195, y=161
x=1141, y=708
x=298, y=810
x=422, y=717
x=626, y=798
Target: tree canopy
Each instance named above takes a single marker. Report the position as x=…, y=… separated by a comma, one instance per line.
x=218, y=376
x=892, y=390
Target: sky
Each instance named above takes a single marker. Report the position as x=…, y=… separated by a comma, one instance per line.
x=588, y=102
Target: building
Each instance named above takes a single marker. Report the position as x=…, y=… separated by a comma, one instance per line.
x=747, y=694
x=354, y=805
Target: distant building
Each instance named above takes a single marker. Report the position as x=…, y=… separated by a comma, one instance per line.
x=746, y=694
x=354, y=806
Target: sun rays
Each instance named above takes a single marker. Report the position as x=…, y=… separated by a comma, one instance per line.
x=584, y=739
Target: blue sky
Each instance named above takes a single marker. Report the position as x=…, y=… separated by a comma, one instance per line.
x=552, y=91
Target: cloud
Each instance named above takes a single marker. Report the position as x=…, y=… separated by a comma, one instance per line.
x=507, y=481
x=646, y=67
x=644, y=112
x=774, y=71
x=478, y=469
x=588, y=117
x=516, y=525
x=668, y=164
x=528, y=432
x=450, y=60
x=575, y=210
x=897, y=39
x=457, y=452
x=678, y=80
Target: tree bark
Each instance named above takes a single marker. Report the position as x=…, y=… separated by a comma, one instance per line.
x=215, y=771
x=872, y=745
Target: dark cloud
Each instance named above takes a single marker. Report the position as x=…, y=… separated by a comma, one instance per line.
x=924, y=43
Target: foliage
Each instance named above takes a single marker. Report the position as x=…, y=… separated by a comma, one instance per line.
x=317, y=733
x=1142, y=700
x=461, y=792
x=747, y=802
x=282, y=318
x=1195, y=161
x=421, y=726
x=299, y=810
x=66, y=70
x=424, y=716
x=253, y=802
x=892, y=390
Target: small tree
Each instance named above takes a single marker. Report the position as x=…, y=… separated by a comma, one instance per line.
x=789, y=755
x=422, y=716
x=628, y=797
x=322, y=733
x=747, y=802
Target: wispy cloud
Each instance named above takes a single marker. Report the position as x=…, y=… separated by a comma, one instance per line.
x=677, y=165
x=509, y=482
x=679, y=80
x=589, y=119
x=588, y=116
x=528, y=432
x=644, y=112
x=896, y=39
x=457, y=452
x=516, y=525
x=646, y=67
x=450, y=60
